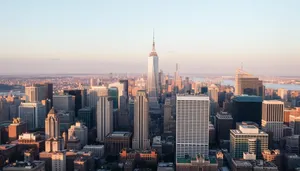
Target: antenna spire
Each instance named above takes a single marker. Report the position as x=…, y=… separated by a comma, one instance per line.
x=153, y=45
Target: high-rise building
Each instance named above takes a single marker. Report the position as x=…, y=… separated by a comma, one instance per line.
x=223, y=125
x=64, y=102
x=247, y=138
x=246, y=108
x=59, y=161
x=141, y=121
x=80, y=131
x=33, y=114
x=94, y=93
x=49, y=93
x=152, y=81
x=213, y=93
x=272, y=118
x=104, y=117
x=246, y=83
x=192, y=125
x=80, y=98
x=283, y=94
x=52, y=127
x=169, y=121
x=85, y=115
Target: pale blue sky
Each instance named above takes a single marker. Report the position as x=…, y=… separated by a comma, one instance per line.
x=203, y=36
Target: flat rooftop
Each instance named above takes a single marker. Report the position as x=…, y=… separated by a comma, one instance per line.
x=25, y=165
x=120, y=134
x=247, y=98
x=273, y=102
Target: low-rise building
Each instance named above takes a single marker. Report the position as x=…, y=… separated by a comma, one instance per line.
x=116, y=141
x=28, y=166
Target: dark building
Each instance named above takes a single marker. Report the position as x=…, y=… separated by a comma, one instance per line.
x=246, y=108
x=80, y=98
x=116, y=141
x=204, y=90
x=49, y=92
x=223, y=125
x=113, y=93
x=85, y=115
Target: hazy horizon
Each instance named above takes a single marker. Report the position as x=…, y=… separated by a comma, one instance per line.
x=38, y=37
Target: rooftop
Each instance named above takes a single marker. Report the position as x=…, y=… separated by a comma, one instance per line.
x=120, y=134
x=25, y=165
x=273, y=102
x=247, y=98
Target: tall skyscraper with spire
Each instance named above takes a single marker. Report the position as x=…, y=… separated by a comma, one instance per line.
x=153, y=84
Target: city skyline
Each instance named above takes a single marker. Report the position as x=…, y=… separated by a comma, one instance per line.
x=103, y=37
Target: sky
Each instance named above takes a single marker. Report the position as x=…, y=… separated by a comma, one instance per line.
x=103, y=36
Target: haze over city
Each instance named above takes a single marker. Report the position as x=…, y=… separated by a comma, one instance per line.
x=212, y=37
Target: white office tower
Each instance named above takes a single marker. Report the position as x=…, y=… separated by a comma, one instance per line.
x=141, y=121
x=153, y=76
x=59, y=161
x=33, y=114
x=192, y=125
x=94, y=93
x=272, y=118
x=104, y=117
x=80, y=131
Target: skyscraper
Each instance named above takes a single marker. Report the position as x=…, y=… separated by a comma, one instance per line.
x=33, y=114
x=246, y=108
x=153, y=83
x=192, y=125
x=248, y=84
x=80, y=131
x=52, y=125
x=104, y=117
x=272, y=118
x=141, y=121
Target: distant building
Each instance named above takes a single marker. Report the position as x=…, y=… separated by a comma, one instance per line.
x=64, y=102
x=290, y=112
x=80, y=98
x=246, y=108
x=192, y=125
x=272, y=156
x=248, y=138
x=213, y=93
x=85, y=115
x=291, y=161
x=73, y=143
x=248, y=84
x=28, y=166
x=52, y=127
x=116, y=141
x=33, y=114
x=80, y=131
